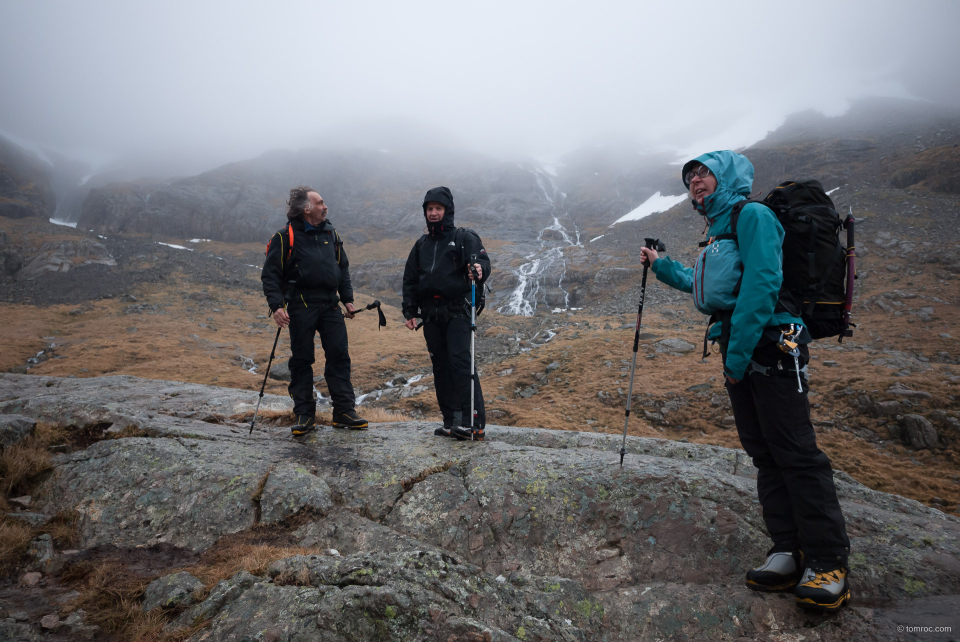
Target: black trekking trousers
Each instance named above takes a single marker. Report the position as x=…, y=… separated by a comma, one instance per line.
x=794, y=479
x=327, y=319
x=448, y=341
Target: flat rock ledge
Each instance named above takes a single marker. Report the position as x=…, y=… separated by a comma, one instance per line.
x=532, y=535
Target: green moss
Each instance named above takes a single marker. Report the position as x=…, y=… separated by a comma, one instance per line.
x=914, y=586
x=521, y=633
x=857, y=560
x=588, y=607
x=390, y=612
x=552, y=588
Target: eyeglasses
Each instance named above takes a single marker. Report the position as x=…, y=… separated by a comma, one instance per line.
x=700, y=171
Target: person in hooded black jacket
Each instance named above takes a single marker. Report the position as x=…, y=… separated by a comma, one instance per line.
x=436, y=288
x=305, y=276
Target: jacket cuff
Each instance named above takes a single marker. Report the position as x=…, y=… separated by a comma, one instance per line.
x=734, y=370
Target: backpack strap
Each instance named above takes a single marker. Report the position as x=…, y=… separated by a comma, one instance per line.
x=338, y=245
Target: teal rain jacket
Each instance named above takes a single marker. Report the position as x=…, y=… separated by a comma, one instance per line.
x=758, y=248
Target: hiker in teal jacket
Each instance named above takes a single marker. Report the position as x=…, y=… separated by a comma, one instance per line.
x=737, y=281
x=759, y=237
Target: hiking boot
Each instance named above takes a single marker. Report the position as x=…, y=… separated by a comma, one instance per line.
x=823, y=590
x=780, y=572
x=349, y=419
x=443, y=431
x=305, y=424
x=466, y=433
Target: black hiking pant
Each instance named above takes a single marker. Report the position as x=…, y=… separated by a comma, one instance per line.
x=794, y=479
x=448, y=341
x=305, y=322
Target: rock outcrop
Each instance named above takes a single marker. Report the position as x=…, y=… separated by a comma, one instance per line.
x=533, y=535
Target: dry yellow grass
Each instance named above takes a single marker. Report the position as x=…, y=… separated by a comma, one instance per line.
x=15, y=538
x=21, y=463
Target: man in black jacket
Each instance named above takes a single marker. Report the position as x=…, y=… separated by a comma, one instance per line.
x=436, y=288
x=305, y=276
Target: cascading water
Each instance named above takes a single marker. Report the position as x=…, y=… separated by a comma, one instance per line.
x=546, y=263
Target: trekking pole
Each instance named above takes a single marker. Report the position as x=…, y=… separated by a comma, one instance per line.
x=375, y=304
x=653, y=244
x=473, y=335
x=269, y=363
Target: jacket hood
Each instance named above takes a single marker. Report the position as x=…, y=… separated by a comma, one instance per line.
x=443, y=196
x=734, y=173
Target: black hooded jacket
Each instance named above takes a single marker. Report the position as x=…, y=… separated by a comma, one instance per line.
x=436, y=271
x=316, y=271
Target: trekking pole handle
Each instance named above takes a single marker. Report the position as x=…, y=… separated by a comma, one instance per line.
x=654, y=244
x=473, y=271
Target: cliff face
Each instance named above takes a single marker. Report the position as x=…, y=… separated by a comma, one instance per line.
x=533, y=535
x=25, y=188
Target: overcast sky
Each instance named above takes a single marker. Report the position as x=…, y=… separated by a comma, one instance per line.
x=231, y=79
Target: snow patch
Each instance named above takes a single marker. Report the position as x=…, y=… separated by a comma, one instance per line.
x=83, y=181
x=176, y=247
x=198, y=241
x=654, y=204
x=597, y=238
x=58, y=221
x=832, y=191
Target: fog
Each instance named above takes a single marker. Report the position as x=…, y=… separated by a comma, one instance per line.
x=209, y=82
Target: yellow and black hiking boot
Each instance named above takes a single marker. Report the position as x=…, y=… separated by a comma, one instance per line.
x=781, y=571
x=305, y=424
x=349, y=419
x=823, y=590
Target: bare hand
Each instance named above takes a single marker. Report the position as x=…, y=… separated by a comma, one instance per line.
x=281, y=317
x=351, y=311
x=648, y=256
x=732, y=381
x=476, y=266
x=411, y=323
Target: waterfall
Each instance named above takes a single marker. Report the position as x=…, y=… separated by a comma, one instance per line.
x=546, y=263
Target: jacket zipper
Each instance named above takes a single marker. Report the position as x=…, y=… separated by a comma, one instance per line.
x=703, y=270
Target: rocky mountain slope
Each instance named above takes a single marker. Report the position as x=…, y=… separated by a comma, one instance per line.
x=25, y=184
x=371, y=194
x=145, y=297
x=393, y=534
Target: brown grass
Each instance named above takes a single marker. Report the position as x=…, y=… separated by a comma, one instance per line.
x=15, y=538
x=253, y=558
x=111, y=596
x=21, y=464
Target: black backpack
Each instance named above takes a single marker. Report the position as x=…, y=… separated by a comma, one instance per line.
x=818, y=269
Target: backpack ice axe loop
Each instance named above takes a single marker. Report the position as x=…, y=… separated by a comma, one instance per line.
x=653, y=244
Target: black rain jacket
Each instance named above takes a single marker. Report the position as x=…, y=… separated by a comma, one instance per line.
x=436, y=271
x=315, y=273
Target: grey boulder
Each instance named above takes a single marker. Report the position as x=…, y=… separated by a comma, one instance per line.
x=170, y=591
x=14, y=429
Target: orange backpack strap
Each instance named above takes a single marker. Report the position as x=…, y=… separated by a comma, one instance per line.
x=290, y=234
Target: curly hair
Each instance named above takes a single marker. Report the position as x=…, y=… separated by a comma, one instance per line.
x=298, y=200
